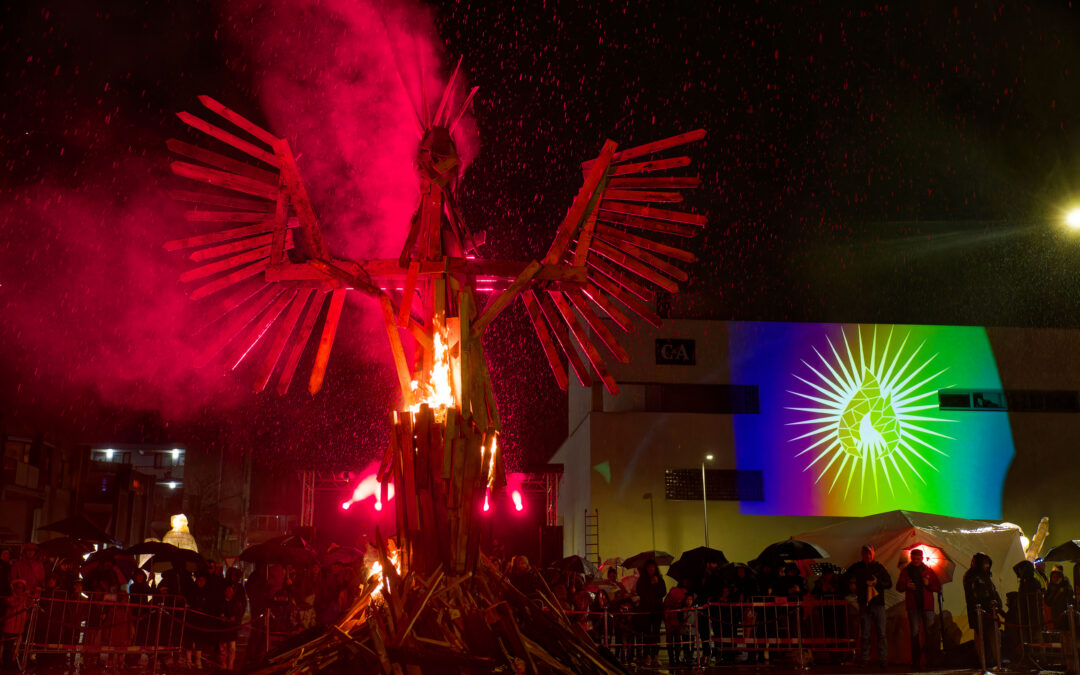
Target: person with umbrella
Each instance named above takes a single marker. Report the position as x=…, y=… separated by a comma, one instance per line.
x=871, y=580
x=651, y=590
x=29, y=568
x=980, y=592
x=919, y=584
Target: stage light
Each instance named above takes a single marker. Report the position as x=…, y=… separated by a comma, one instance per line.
x=109, y=454
x=1072, y=218
x=346, y=505
x=487, y=505
x=172, y=485
x=516, y=496
x=378, y=506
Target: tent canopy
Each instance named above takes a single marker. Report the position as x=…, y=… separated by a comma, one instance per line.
x=892, y=532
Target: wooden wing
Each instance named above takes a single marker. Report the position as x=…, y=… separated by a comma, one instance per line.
x=626, y=229
x=256, y=220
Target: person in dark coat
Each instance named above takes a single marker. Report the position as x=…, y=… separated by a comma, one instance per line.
x=870, y=579
x=651, y=590
x=5, y=572
x=1058, y=597
x=919, y=583
x=1029, y=611
x=980, y=593
x=708, y=589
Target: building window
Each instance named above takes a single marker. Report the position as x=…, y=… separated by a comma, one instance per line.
x=716, y=399
x=1011, y=400
x=722, y=484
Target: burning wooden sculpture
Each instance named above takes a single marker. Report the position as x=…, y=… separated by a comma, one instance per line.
x=443, y=456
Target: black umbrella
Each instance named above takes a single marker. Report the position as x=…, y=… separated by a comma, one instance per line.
x=123, y=564
x=152, y=548
x=287, y=550
x=1067, y=552
x=180, y=559
x=78, y=527
x=637, y=561
x=574, y=564
x=65, y=547
x=346, y=555
x=703, y=555
x=792, y=549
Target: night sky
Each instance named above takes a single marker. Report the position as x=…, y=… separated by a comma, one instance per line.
x=902, y=163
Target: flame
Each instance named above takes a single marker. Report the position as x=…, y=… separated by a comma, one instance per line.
x=491, y=463
x=377, y=569
x=438, y=391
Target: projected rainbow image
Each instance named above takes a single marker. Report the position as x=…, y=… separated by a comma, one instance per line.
x=850, y=425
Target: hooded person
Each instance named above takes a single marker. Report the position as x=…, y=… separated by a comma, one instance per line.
x=980, y=593
x=651, y=589
x=1029, y=611
x=29, y=568
x=870, y=579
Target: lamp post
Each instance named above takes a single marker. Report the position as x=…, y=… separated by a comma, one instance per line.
x=652, y=518
x=705, y=498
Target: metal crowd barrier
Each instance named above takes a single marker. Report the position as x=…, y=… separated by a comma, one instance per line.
x=765, y=626
x=1035, y=639
x=109, y=625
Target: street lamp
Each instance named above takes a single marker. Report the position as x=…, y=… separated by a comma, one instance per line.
x=1072, y=218
x=705, y=498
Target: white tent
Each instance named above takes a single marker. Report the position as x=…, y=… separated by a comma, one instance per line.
x=892, y=532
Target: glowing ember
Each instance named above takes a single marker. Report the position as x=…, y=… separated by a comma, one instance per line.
x=438, y=391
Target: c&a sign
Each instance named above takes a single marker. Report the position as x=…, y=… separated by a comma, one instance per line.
x=675, y=352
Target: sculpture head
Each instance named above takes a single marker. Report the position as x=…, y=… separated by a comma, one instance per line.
x=179, y=523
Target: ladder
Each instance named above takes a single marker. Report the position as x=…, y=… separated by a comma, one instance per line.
x=592, y=537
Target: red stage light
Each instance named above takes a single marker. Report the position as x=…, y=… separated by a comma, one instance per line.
x=487, y=504
x=346, y=505
x=516, y=496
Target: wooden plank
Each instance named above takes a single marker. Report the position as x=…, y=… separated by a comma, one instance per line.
x=449, y=438
x=613, y=289
x=226, y=137
x=396, y=350
x=493, y=421
x=644, y=196
x=620, y=277
x=231, y=247
x=210, y=269
x=654, y=147
x=222, y=307
x=613, y=234
x=214, y=237
x=405, y=311
x=407, y=493
x=314, y=245
x=576, y=213
x=542, y=333
x=281, y=339
x=652, y=212
x=334, y=271
x=650, y=166
x=604, y=302
x=221, y=161
x=280, y=224
x=197, y=216
x=582, y=337
x=299, y=341
x=444, y=101
x=235, y=325
x=326, y=342
x=410, y=239
x=503, y=300
x=581, y=252
x=224, y=179
x=238, y=120
x=258, y=328
x=223, y=282
x=464, y=107
x=676, y=229
x=642, y=262
x=652, y=182
x=581, y=304
x=563, y=337
x=218, y=199
x=420, y=334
